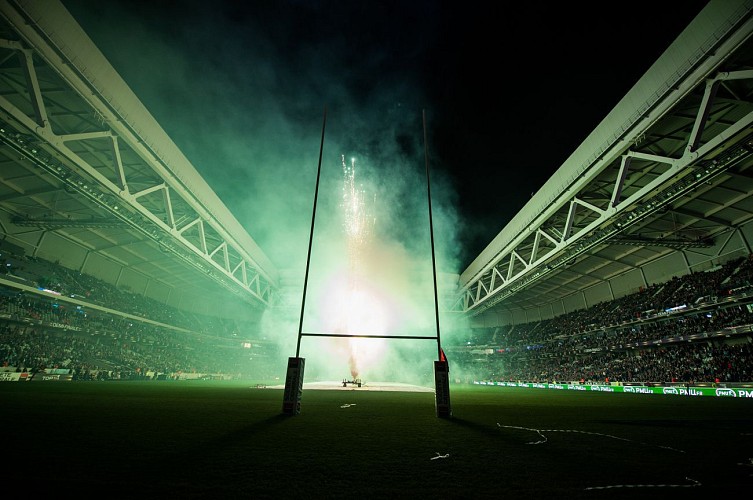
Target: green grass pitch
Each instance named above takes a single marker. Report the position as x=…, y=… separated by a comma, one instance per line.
x=230, y=440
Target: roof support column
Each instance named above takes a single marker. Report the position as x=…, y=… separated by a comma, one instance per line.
x=744, y=240
x=39, y=244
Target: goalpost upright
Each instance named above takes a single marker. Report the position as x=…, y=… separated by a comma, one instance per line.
x=295, y=370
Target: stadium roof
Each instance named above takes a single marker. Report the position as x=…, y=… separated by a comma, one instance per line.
x=667, y=171
x=84, y=165
x=87, y=176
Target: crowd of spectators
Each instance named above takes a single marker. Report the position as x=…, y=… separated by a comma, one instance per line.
x=39, y=333
x=693, y=328
x=43, y=274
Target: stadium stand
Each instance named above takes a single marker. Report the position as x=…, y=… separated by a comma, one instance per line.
x=690, y=329
x=125, y=337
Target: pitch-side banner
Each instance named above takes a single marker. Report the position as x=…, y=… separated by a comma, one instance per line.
x=11, y=376
x=732, y=392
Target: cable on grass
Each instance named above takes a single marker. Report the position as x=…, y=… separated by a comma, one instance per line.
x=695, y=483
x=543, y=437
x=540, y=432
x=439, y=455
x=347, y=405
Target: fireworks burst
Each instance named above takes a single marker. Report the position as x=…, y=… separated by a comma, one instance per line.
x=358, y=309
x=358, y=221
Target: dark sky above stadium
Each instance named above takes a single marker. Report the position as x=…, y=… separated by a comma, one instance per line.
x=509, y=91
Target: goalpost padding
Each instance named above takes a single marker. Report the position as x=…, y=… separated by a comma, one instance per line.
x=291, y=403
x=442, y=388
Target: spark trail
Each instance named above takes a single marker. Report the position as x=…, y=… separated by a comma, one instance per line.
x=358, y=224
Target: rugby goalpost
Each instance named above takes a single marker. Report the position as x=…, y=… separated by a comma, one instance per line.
x=291, y=404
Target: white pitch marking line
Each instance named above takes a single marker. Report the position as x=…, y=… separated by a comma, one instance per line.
x=347, y=405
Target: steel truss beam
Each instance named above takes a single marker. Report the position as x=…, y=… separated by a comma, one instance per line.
x=523, y=261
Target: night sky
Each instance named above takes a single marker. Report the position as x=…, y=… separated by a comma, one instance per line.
x=509, y=91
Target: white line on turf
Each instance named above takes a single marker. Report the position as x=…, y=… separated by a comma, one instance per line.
x=695, y=483
x=541, y=432
x=544, y=440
